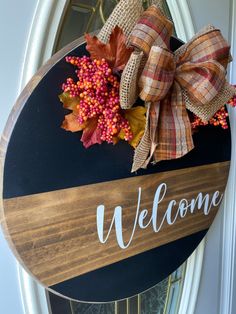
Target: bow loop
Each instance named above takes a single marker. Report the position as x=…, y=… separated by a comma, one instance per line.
x=201, y=68
x=208, y=44
x=203, y=81
x=158, y=75
x=153, y=28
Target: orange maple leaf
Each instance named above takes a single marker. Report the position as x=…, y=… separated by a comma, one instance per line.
x=137, y=121
x=115, y=52
x=91, y=133
x=71, y=122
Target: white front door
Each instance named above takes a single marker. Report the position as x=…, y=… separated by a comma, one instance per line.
x=17, y=20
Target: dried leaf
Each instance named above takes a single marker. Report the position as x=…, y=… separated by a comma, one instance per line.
x=116, y=139
x=91, y=134
x=71, y=123
x=70, y=103
x=137, y=120
x=118, y=43
x=115, y=51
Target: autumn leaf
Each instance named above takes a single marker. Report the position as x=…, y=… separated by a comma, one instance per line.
x=137, y=121
x=116, y=139
x=70, y=103
x=91, y=134
x=115, y=52
x=71, y=122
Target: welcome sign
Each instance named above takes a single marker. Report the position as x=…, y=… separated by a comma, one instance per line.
x=79, y=221
x=200, y=203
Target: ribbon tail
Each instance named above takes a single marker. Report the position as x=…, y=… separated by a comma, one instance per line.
x=147, y=146
x=174, y=127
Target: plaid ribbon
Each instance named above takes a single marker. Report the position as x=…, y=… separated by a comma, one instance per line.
x=147, y=31
x=199, y=70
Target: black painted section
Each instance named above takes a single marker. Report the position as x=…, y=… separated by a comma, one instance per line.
x=130, y=276
x=42, y=157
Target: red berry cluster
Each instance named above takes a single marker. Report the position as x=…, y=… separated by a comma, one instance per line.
x=232, y=101
x=98, y=90
x=219, y=119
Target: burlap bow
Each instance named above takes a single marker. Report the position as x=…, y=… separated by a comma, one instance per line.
x=193, y=77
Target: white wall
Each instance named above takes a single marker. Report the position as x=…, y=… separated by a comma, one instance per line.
x=218, y=13
x=15, y=23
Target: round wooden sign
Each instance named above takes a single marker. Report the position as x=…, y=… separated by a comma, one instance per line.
x=78, y=220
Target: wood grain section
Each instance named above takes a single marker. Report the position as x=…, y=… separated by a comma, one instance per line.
x=55, y=235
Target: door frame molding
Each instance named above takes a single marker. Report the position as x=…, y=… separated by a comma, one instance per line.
x=42, y=38
x=182, y=19
x=192, y=281
x=43, y=34
x=228, y=260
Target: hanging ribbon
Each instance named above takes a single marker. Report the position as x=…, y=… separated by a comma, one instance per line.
x=193, y=77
